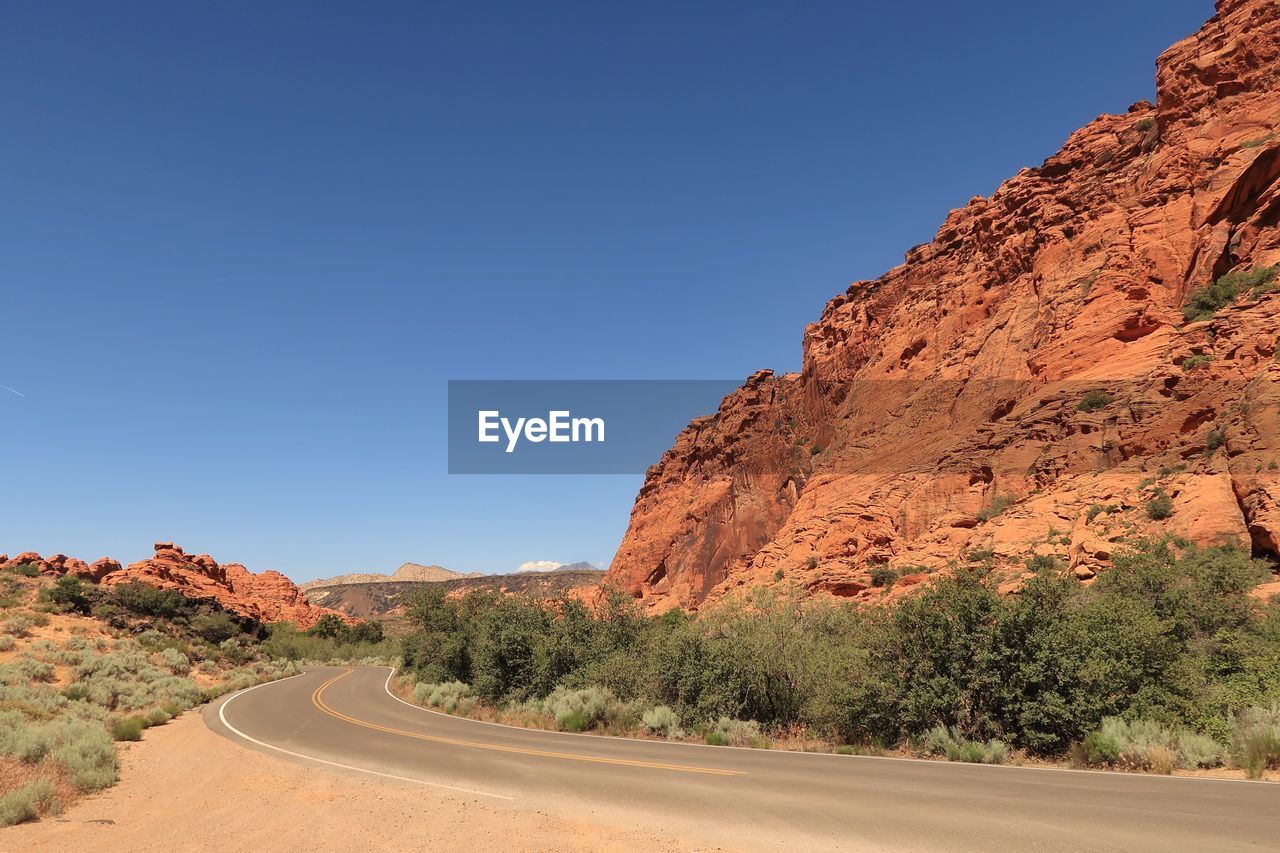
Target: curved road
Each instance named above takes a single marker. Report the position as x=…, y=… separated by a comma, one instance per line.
x=345, y=720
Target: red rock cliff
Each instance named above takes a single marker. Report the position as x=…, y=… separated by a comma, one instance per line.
x=1035, y=354
x=267, y=596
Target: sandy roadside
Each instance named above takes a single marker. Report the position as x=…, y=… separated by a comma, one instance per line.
x=184, y=788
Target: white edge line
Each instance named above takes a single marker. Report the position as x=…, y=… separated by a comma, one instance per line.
x=223, y=717
x=956, y=764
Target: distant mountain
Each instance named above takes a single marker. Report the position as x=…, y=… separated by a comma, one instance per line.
x=384, y=599
x=406, y=572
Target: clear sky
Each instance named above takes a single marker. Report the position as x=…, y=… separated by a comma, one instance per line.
x=245, y=244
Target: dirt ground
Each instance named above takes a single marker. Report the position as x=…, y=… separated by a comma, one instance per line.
x=184, y=788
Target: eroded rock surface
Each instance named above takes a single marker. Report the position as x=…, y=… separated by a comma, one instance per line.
x=1035, y=354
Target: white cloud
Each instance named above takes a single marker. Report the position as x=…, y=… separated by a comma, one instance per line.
x=539, y=566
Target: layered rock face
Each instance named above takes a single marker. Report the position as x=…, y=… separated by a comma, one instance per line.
x=267, y=596
x=1029, y=383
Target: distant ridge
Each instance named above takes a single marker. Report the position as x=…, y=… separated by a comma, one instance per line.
x=406, y=572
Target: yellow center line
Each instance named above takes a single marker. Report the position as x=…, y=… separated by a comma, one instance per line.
x=318, y=701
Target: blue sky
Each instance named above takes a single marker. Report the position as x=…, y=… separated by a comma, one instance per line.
x=246, y=244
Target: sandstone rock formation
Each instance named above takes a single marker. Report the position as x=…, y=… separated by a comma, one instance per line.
x=1029, y=382
x=267, y=596
x=408, y=572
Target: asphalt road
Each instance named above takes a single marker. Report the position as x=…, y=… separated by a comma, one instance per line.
x=345, y=720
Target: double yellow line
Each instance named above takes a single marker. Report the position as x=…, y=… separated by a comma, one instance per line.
x=317, y=699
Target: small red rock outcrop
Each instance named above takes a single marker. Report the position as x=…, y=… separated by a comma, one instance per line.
x=1026, y=384
x=267, y=596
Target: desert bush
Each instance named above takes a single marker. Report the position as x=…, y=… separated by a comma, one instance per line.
x=26, y=802
x=1194, y=362
x=128, y=728
x=997, y=506
x=175, y=661
x=730, y=732
x=1255, y=740
x=1145, y=745
x=27, y=570
x=1208, y=300
x=449, y=696
x=215, y=627
x=85, y=750
x=578, y=710
x=883, y=576
x=1094, y=400
x=1197, y=750
x=34, y=670
x=1042, y=563
x=1098, y=509
x=662, y=720
x=68, y=592
x=948, y=742
x=148, y=600
x=22, y=739
x=286, y=642
x=6, y=643
x=18, y=625
x=1160, y=506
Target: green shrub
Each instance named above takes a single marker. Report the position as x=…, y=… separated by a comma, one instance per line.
x=175, y=661
x=18, y=625
x=1145, y=745
x=662, y=720
x=730, y=732
x=1160, y=506
x=1098, y=509
x=1208, y=300
x=578, y=710
x=128, y=728
x=148, y=600
x=1197, y=750
x=22, y=739
x=998, y=505
x=1193, y=362
x=69, y=592
x=1214, y=440
x=367, y=631
x=883, y=576
x=215, y=627
x=1169, y=634
x=449, y=696
x=27, y=570
x=1094, y=400
x=6, y=643
x=85, y=750
x=947, y=741
x=1255, y=740
x=1042, y=563
x=35, y=670
x=27, y=802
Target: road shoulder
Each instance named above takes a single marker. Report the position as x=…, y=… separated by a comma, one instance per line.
x=185, y=788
